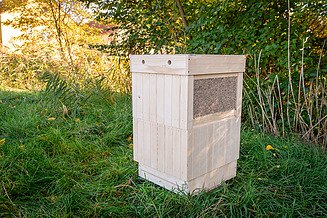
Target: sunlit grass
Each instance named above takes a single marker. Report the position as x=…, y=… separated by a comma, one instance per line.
x=80, y=164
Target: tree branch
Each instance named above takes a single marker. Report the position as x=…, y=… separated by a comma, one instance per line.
x=182, y=13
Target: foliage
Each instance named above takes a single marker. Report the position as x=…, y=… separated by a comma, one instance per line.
x=81, y=165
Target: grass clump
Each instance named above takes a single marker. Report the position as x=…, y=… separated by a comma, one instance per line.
x=57, y=162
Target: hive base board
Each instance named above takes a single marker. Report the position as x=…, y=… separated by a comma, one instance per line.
x=206, y=181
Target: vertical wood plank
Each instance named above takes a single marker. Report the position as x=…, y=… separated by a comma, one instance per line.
x=239, y=94
x=134, y=95
x=183, y=102
x=135, y=139
x=210, y=147
x=176, y=152
x=160, y=99
x=154, y=145
x=146, y=96
x=153, y=98
x=161, y=148
x=140, y=140
x=168, y=150
x=139, y=97
x=146, y=143
x=184, y=153
x=168, y=100
x=175, y=101
x=220, y=132
x=190, y=91
x=200, y=151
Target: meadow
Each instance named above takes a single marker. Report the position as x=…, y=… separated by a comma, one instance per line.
x=73, y=158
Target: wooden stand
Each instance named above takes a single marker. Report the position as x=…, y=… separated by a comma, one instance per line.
x=186, y=118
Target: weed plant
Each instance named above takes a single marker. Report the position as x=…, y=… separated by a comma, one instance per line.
x=76, y=161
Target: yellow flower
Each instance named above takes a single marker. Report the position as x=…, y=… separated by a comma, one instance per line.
x=269, y=147
x=51, y=118
x=77, y=120
x=2, y=141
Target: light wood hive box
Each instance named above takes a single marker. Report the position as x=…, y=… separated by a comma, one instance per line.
x=186, y=118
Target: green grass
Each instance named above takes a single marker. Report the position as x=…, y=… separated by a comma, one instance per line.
x=80, y=164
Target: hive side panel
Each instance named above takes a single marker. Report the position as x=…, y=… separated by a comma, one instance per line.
x=210, y=145
x=168, y=100
x=175, y=101
x=190, y=100
x=160, y=99
x=134, y=94
x=153, y=98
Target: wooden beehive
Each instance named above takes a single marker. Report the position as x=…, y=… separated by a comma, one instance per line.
x=186, y=118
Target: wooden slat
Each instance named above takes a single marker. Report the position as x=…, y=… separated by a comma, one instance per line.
x=160, y=99
x=185, y=143
x=168, y=100
x=146, y=143
x=134, y=93
x=140, y=132
x=135, y=140
x=159, y=64
x=220, y=132
x=154, y=145
x=200, y=141
x=232, y=151
x=168, y=150
x=153, y=98
x=210, y=148
x=175, y=101
x=184, y=80
x=146, y=96
x=212, y=64
x=161, y=148
x=190, y=102
x=176, y=143
x=139, y=97
x=239, y=94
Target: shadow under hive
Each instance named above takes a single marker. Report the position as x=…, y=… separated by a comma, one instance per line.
x=214, y=95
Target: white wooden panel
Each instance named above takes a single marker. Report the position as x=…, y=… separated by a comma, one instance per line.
x=146, y=96
x=210, y=147
x=139, y=143
x=232, y=151
x=168, y=100
x=184, y=146
x=177, y=152
x=139, y=97
x=154, y=145
x=211, y=64
x=190, y=102
x=153, y=98
x=146, y=143
x=168, y=150
x=175, y=101
x=161, y=148
x=200, y=151
x=220, y=132
x=159, y=64
x=239, y=94
x=160, y=99
x=183, y=102
x=135, y=140
x=134, y=95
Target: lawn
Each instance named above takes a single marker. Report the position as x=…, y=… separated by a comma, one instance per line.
x=74, y=159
